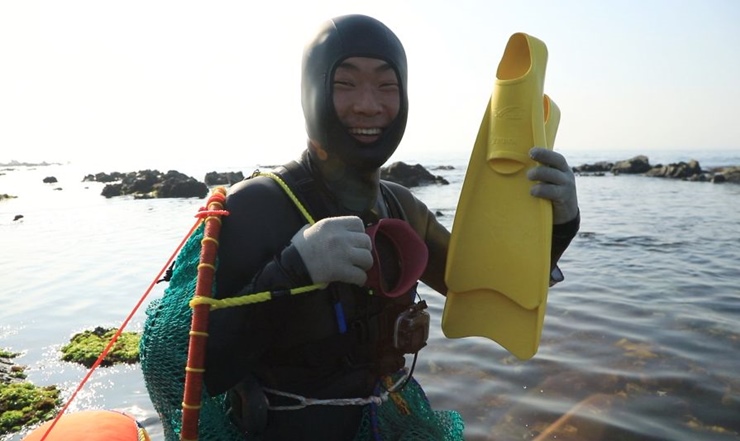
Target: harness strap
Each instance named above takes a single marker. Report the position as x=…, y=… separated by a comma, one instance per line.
x=299, y=178
x=260, y=297
x=304, y=402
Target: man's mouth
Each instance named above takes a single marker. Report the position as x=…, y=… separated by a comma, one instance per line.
x=360, y=132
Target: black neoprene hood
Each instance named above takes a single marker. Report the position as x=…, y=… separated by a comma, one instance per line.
x=337, y=40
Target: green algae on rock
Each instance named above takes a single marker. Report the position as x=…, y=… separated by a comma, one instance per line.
x=85, y=348
x=22, y=403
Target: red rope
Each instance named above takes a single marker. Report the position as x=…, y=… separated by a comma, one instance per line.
x=191, y=402
x=122, y=327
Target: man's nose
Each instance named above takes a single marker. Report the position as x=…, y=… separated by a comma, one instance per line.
x=368, y=101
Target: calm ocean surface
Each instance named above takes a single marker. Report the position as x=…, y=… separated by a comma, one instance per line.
x=646, y=326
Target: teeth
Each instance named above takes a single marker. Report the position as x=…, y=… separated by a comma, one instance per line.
x=367, y=132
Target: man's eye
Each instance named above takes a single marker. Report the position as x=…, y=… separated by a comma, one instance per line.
x=341, y=83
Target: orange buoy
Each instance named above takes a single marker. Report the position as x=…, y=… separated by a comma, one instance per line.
x=91, y=425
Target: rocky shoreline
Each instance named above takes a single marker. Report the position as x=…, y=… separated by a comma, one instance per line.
x=640, y=165
x=148, y=184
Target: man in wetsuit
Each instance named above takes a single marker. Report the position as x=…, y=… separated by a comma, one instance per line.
x=335, y=342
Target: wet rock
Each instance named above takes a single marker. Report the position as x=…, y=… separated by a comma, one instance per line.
x=726, y=174
x=17, y=217
x=146, y=184
x=178, y=185
x=223, y=178
x=638, y=164
x=598, y=168
x=50, y=180
x=22, y=403
x=678, y=170
x=104, y=177
x=112, y=190
x=9, y=371
x=410, y=176
x=689, y=171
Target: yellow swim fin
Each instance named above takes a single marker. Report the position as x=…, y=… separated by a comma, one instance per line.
x=498, y=264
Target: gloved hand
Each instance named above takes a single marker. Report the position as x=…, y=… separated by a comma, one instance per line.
x=335, y=249
x=556, y=183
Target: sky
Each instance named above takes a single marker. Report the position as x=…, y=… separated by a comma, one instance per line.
x=190, y=82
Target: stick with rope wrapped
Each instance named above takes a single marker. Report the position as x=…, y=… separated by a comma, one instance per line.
x=194, y=369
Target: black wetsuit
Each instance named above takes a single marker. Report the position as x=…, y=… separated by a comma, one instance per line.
x=294, y=344
x=290, y=344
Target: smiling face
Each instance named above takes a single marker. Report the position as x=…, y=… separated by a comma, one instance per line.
x=353, y=93
x=366, y=97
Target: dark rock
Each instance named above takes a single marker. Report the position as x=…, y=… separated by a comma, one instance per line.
x=223, y=178
x=9, y=371
x=113, y=190
x=177, y=185
x=679, y=170
x=104, y=177
x=726, y=174
x=688, y=171
x=410, y=176
x=597, y=168
x=7, y=196
x=700, y=177
x=147, y=184
x=17, y=217
x=141, y=182
x=638, y=164
x=50, y=180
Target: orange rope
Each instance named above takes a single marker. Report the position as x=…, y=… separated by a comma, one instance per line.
x=120, y=330
x=191, y=402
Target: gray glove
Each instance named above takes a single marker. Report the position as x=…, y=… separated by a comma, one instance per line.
x=335, y=249
x=557, y=183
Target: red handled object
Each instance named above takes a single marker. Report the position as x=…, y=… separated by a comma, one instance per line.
x=411, y=256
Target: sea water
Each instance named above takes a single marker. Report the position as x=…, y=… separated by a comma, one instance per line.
x=644, y=331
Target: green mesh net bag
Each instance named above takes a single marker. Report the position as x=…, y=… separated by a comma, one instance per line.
x=406, y=415
x=163, y=351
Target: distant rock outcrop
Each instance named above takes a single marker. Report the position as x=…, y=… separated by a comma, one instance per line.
x=223, y=178
x=636, y=165
x=104, y=177
x=689, y=171
x=15, y=163
x=410, y=176
x=679, y=170
x=147, y=184
x=726, y=174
